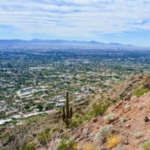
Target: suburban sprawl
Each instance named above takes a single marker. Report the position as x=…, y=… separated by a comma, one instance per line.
x=35, y=82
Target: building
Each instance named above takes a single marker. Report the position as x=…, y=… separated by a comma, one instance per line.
x=59, y=104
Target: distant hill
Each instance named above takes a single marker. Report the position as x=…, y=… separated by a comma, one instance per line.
x=60, y=42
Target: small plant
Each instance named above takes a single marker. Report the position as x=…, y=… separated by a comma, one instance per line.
x=113, y=140
x=127, y=107
x=29, y=146
x=43, y=137
x=122, y=119
x=80, y=117
x=141, y=92
x=55, y=129
x=76, y=122
x=89, y=147
x=99, y=109
x=145, y=145
x=110, y=117
x=34, y=134
x=67, y=112
x=66, y=145
x=103, y=133
x=137, y=135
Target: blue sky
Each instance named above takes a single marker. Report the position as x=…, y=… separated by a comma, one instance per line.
x=123, y=21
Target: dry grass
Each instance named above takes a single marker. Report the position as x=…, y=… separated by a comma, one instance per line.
x=145, y=145
x=89, y=147
x=113, y=140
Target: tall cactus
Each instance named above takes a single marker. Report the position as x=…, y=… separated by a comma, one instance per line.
x=67, y=111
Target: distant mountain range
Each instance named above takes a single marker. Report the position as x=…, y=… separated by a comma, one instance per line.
x=60, y=42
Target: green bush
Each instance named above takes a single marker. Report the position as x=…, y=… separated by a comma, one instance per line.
x=99, y=109
x=43, y=137
x=110, y=117
x=29, y=146
x=122, y=119
x=80, y=117
x=138, y=135
x=127, y=107
x=66, y=145
x=145, y=145
x=14, y=121
x=140, y=92
x=76, y=122
x=103, y=133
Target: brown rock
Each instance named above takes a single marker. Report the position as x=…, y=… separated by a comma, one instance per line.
x=94, y=120
x=146, y=119
x=126, y=142
x=127, y=125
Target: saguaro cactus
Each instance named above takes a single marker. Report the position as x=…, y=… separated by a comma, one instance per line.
x=67, y=111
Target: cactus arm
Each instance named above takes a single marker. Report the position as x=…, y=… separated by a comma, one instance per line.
x=63, y=114
x=67, y=105
x=70, y=113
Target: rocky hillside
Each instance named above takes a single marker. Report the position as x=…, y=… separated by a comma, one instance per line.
x=124, y=126
x=119, y=120
x=136, y=85
x=128, y=121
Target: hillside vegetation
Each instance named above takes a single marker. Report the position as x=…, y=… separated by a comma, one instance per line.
x=117, y=119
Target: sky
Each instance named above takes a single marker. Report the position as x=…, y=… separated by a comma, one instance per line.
x=121, y=21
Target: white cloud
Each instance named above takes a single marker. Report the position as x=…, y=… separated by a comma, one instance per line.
x=75, y=17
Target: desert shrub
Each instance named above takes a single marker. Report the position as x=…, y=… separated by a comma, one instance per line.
x=47, y=130
x=34, y=134
x=67, y=145
x=80, y=117
x=2, y=115
x=14, y=121
x=110, y=117
x=89, y=147
x=145, y=145
x=56, y=128
x=127, y=107
x=137, y=135
x=31, y=120
x=122, y=119
x=99, y=109
x=76, y=121
x=29, y=146
x=141, y=92
x=19, y=138
x=43, y=137
x=103, y=133
x=56, y=120
x=89, y=115
x=113, y=140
